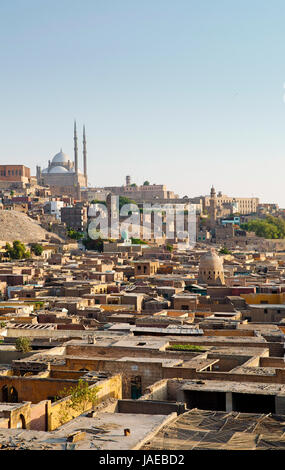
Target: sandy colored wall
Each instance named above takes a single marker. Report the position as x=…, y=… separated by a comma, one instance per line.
x=60, y=411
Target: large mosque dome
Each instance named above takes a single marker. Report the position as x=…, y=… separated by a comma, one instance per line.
x=62, y=174
x=60, y=158
x=58, y=169
x=211, y=269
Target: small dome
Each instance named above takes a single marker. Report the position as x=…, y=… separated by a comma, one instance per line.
x=211, y=269
x=211, y=261
x=58, y=169
x=60, y=158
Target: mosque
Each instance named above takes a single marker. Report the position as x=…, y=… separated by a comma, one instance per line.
x=63, y=175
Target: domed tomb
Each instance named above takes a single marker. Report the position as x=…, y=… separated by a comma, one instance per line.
x=211, y=269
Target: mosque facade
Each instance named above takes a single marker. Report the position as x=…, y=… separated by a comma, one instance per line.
x=62, y=174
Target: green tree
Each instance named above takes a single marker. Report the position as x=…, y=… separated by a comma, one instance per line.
x=225, y=251
x=146, y=183
x=17, y=250
x=169, y=247
x=81, y=396
x=125, y=200
x=138, y=241
x=270, y=228
x=23, y=344
x=37, y=249
x=74, y=234
x=96, y=201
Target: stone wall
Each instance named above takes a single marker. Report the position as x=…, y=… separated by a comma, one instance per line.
x=60, y=411
x=38, y=417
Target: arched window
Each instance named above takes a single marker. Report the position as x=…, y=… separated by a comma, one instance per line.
x=13, y=395
x=5, y=394
x=21, y=424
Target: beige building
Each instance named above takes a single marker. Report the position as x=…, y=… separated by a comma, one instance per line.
x=145, y=268
x=243, y=205
x=145, y=192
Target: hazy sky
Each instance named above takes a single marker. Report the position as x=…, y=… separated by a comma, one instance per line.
x=186, y=93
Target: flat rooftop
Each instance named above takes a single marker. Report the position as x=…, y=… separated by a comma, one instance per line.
x=236, y=387
x=10, y=406
x=278, y=306
x=153, y=360
x=103, y=432
x=141, y=342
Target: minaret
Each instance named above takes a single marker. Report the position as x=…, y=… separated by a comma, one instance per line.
x=213, y=208
x=75, y=150
x=84, y=156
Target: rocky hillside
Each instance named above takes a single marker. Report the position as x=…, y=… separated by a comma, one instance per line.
x=18, y=226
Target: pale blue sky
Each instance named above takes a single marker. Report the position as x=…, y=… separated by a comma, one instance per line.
x=186, y=93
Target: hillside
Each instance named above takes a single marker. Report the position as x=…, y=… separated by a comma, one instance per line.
x=18, y=226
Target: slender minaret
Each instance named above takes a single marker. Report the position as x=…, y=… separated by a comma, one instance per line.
x=213, y=208
x=84, y=155
x=75, y=150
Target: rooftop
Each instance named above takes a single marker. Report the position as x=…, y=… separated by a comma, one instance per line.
x=218, y=430
x=103, y=432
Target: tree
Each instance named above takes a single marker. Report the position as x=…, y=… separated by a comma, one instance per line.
x=96, y=201
x=17, y=251
x=125, y=200
x=225, y=251
x=138, y=241
x=81, y=396
x=146, y=183
x=37, y=249
x=270, y=228
x=169, y=247
x=96, y=245
x=74, y=234
x=23, y=344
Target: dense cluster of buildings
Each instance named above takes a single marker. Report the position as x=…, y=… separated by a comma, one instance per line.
x=164, y=337
x=178, y=347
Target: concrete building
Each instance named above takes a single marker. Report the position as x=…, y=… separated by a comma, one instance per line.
x=16, y=177
x=75, y=217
